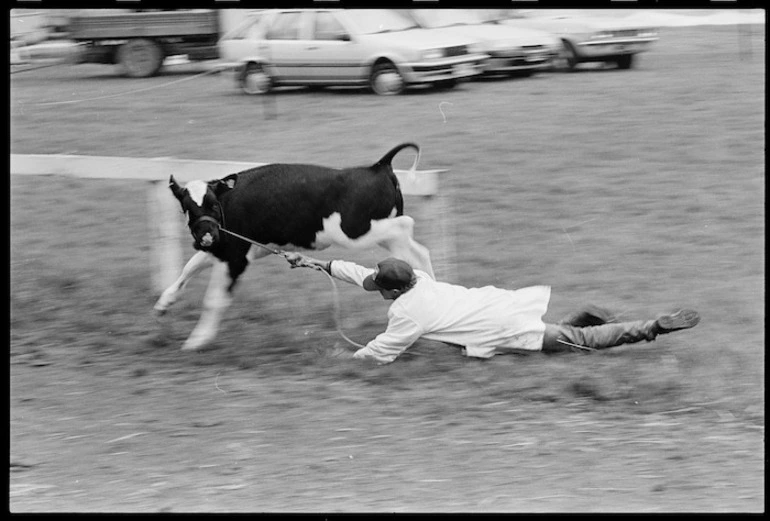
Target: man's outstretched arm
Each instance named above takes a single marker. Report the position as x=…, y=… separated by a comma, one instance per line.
x=297, y=260
x=349, y=272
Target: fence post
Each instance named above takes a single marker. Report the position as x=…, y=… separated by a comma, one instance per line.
x=433, y=219
x=438, y=214
x=165, y=233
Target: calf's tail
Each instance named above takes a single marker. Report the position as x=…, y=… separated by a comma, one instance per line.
x=387, y=158
x=385, y=162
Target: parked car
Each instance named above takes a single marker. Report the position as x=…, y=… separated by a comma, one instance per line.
x=584, y=39
x=375, y=47
x=512, y=50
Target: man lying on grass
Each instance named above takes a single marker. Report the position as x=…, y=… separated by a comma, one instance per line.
x=488, y=320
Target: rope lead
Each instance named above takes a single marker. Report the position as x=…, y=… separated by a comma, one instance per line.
x=337, y=316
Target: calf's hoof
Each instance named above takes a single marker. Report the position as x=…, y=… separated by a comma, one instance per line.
x=191, y=345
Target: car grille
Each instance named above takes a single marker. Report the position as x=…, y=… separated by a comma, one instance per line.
x=523, y=52
x=536, y=52
x=457, y=50
x=626, y=33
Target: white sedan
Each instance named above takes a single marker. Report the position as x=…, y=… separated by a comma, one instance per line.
x=375, y=47
x=512, y=50
x=584, y=38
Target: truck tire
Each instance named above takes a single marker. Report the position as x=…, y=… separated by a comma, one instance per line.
x=140, y=58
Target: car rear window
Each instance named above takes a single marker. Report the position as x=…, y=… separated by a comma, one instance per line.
x=285, y=27
x=327, y=27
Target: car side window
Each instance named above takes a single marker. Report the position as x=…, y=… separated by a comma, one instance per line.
x=255, y=31
x=250, y=31
x=327, y=27
x=285, y=27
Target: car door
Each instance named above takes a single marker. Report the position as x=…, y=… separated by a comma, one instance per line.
x=285, y=46
x=334, y=55
x=244, y=42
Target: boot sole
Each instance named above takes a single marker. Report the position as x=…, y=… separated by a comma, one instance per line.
x=682, y=319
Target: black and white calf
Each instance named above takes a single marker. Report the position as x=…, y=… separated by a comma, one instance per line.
x=288, y=206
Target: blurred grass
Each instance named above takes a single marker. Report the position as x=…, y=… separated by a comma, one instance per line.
x=640, y=190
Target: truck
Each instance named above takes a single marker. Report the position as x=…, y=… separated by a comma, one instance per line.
x=140, y=40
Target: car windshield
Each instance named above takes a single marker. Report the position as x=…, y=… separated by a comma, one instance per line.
x=446, y=17
x=373, y=21
x=491, y=16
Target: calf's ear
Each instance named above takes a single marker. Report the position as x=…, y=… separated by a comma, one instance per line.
x=220, y=186
x=175, y=188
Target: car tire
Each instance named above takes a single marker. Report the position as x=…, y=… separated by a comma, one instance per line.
x=386, y=80
x=446, y=84
x=569, y=56
x=140, y=58
x=255, y=80
x=625, y=62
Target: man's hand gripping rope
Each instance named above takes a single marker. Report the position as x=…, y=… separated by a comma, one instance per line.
x=297, y=260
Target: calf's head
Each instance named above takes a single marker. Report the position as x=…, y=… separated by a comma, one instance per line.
x=200, y=202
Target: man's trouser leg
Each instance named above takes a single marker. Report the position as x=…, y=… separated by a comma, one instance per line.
x=588, y=315
x=563, y=337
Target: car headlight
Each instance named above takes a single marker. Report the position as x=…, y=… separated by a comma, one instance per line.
x=432, y=54
x=475, y=48
x=502, y=45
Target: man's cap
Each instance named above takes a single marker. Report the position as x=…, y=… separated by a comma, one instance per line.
x=390, y=274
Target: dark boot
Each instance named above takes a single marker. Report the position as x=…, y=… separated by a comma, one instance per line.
x=681, y=319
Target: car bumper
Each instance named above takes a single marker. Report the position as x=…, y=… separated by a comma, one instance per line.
x=454, y=69
x=600, y=48
x=498, y=64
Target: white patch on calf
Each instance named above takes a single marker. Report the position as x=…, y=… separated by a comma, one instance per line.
x=395, y=234
x=197, y=189
x=383, y=230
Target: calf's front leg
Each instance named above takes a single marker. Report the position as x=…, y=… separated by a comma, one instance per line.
x=197, y=263
x=216, y=301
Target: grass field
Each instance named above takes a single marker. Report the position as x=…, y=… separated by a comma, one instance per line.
x=641, y=190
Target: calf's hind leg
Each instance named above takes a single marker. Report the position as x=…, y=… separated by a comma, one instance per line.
x=399, y=241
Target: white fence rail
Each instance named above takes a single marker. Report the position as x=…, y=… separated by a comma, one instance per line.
x=165, y=222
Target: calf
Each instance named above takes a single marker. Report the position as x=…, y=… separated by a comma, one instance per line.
x=290, y=206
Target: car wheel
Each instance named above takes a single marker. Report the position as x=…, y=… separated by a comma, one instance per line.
x=625, y=61
x=140, y=58
x=446, y=84
x=256, y=80
x=385, y=80
x=569, y=56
